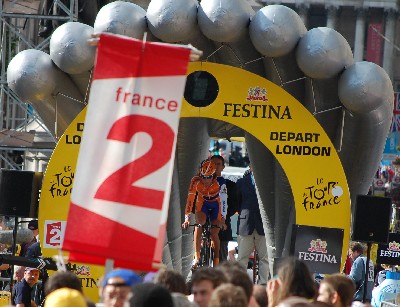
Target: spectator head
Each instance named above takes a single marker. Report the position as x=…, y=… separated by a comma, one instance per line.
x=355, y=250
x=116, y=287
x=172, y=280
x=204, y=281
x=337, y=290
x=62, y=280
x=295, y=279
x=228, y=295
x=18, y=272
x=31, y=276
x=181, y=300
x=219, y=163
x=237, y=275
x=33, y=225
x=150, y=295
x=260, y=295
x=65, y=297
x=294, y=301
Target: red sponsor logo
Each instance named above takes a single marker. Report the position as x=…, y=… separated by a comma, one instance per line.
x=53, y=234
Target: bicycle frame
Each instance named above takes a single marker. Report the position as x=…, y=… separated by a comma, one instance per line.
x=206, y=250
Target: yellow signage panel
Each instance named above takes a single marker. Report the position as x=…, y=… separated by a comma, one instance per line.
x=55, y=200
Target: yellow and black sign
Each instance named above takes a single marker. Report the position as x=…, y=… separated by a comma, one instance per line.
x=54, y=204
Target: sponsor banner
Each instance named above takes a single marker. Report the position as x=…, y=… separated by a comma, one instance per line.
x=374, y=43
x=395, y=127
x=389, y=253
x=390, y=145
x=53, y=233
x=124, y=171
x=319, y=247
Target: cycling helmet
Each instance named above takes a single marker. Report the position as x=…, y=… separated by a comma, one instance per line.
x=207, y=169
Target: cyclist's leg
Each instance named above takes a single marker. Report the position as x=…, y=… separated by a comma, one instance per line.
x=263, y=268
x=200, y=219
x=215, y=217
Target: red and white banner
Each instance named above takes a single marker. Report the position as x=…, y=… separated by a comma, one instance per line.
x=396, y=113
x=374, y=43
x=120, y=196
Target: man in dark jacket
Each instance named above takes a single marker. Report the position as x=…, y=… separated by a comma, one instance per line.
x=22, y=290
x=250, y=227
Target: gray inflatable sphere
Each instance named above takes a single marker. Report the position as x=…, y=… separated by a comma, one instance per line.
x=275, y=30
x=364, y=87
x=124, y=18
x=323, y=52
x=172, y=20
x=224, y=21
x=32, y=74
x=69, y=47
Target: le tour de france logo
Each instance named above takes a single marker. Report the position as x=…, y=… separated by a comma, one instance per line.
x=321, y=194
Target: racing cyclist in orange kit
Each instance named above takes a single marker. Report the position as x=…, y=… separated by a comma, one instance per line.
x=204, y=195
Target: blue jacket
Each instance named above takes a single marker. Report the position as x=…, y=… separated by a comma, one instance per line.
x=357, y=273
x=249, y=211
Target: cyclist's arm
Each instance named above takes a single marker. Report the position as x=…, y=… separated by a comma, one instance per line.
x=190, y=202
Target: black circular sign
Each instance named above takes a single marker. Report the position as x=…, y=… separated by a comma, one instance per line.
x=201, y=89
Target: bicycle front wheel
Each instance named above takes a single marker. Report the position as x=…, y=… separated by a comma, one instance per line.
x=204, y=253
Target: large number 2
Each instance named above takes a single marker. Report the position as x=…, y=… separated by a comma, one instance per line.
x=55, y=236
x=118, y=187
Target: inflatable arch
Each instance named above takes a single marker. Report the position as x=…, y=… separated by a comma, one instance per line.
x=316, y=128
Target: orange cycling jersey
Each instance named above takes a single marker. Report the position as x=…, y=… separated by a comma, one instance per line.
x=207, y=196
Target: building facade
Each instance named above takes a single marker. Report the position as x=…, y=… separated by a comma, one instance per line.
x=370, y=27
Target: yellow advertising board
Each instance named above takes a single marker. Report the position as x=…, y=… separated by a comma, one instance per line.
x=54, y=204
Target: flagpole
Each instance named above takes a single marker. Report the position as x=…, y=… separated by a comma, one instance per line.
x=109, y=266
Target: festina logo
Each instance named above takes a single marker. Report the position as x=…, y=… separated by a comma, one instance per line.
x=257, y=94
x=394, y=246
x=318, y=246
x=317, y=257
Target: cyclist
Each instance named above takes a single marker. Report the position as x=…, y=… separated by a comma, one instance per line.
x=204, y=196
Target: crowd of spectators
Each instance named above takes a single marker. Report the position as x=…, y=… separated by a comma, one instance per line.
x=228, y=284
